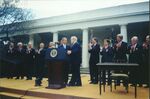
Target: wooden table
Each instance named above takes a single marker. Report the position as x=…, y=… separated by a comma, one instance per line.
x=116, y=66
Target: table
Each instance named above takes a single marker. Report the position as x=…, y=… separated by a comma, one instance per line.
x=116, y=66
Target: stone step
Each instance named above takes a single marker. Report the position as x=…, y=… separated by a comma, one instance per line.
x=6, y=95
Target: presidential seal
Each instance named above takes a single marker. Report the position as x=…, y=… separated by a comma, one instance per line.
x=53, y=53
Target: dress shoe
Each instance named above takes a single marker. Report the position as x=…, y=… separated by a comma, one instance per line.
x=117, y=84
x=91, y=82
x=29, y=79
x=78, y=84
x=140, y=85
x=132, y=85
x=95, y=82
x=108, y=83
x=147, y=86
x=70, y=84
x=37, y=85
x=17, y=78
x=22, y=77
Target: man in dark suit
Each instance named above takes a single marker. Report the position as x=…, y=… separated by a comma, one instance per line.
x=11, y=55
x=120, y=50
x=75, y=58
x=135, y=56
x=107, y=52
x=67, y=62
x=146, y=49
x=135, y=51
x=107, y=56
x=30, y=52
x=20, y=53
x=94, y=50
x=40, y=64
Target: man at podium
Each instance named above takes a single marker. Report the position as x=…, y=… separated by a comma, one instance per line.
x=56, y=60
x=66, y=66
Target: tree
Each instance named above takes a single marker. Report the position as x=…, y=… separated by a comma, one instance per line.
x=12, y=17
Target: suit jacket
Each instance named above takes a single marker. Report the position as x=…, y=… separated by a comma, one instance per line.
x=135, y=56
x=11, y=53
x=146, y=54
x=20, y=54
x=120, y=53
x=30, y=55
x=67, y=48
x=95, y=51
x=40, y=58
x=107, y=54
x=75, y=56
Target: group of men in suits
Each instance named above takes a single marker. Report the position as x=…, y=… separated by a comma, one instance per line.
x=27, y=59
x=30, y=62
x=70, y=65
x=21, y=61
x=118, y=53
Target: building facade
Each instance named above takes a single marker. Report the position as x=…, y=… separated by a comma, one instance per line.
x=129, y=20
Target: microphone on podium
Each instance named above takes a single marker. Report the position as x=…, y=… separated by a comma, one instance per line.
x=57, y=44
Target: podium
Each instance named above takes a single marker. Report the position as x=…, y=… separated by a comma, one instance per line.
x=55, y=59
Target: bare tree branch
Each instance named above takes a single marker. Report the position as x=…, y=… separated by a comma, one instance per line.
x=11, y=16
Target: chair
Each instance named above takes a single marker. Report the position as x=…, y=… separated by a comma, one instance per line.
x=119, y=76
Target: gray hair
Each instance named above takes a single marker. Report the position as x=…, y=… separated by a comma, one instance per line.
x=29, y=43
x=42, y=44
x=120, y=36
x=51, y=43
x=134, y=38
x=19, y=43
x=74, y=38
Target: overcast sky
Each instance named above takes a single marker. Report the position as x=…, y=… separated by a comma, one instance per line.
x=48, y=8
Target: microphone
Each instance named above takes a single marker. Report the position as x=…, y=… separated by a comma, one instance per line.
x=56, y=44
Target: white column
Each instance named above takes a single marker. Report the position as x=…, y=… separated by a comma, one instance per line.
x=85, y=55
x=55, y=36
x=31, y=39
x=123, y=30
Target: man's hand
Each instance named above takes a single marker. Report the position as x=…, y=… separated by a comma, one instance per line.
x=69, y=52
x=118, y=45
x=90, y=46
